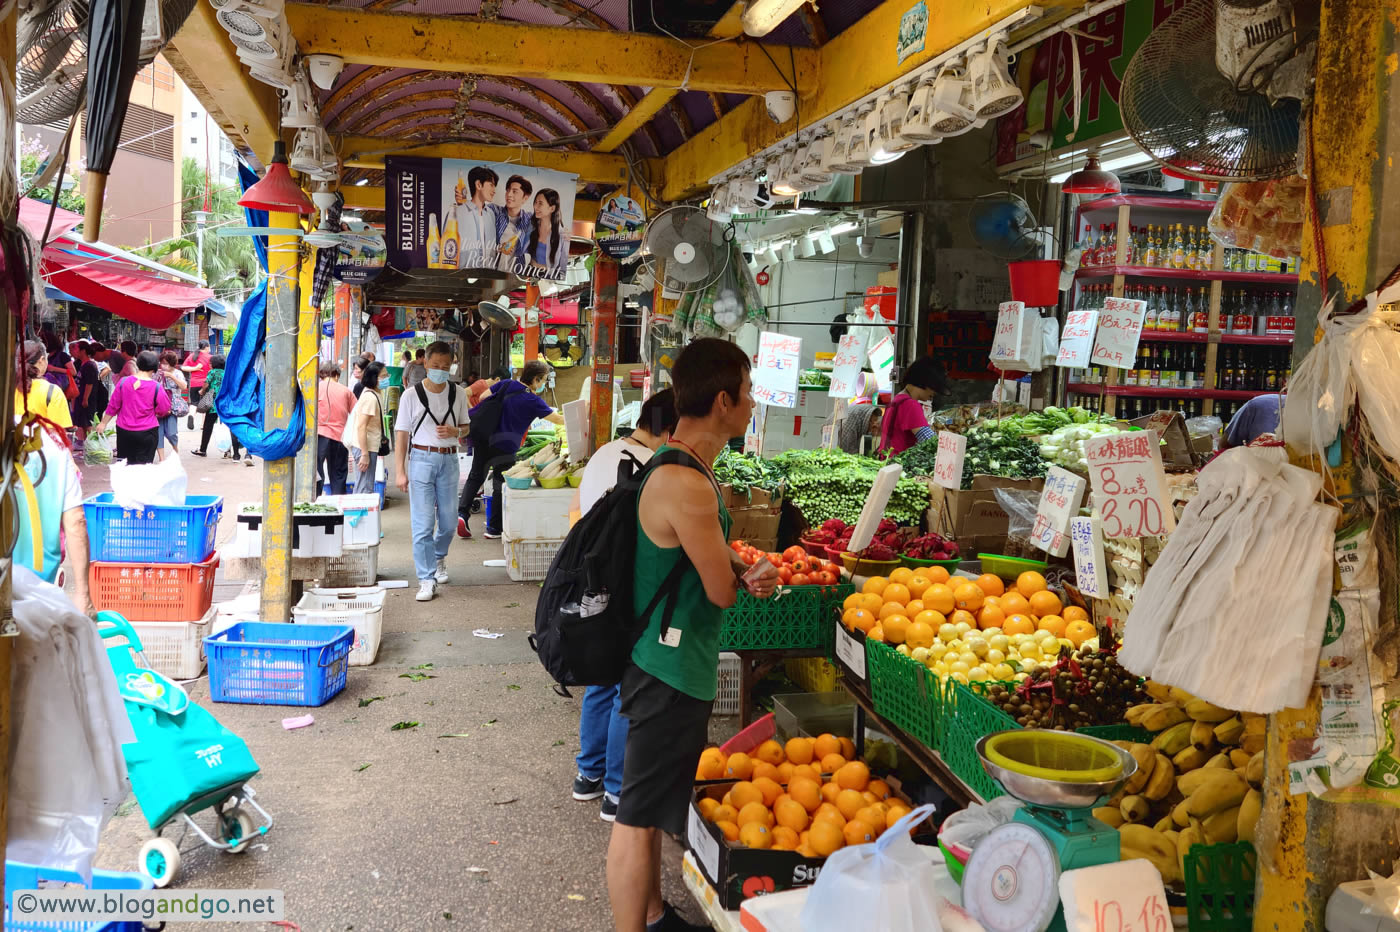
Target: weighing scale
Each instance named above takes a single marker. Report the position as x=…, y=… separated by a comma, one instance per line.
x=1011, y=883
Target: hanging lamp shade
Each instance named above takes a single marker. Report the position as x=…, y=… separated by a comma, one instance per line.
x=1092, y=180
x=277, y=191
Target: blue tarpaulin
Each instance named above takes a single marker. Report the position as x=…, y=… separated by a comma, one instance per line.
x=240, y=400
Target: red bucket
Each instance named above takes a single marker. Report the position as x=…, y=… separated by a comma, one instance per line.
x=1035, y=284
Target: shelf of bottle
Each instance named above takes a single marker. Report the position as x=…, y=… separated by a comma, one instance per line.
x=1218, y=394
x=1193, y=275
x=1229, y=339
x=1145, y=200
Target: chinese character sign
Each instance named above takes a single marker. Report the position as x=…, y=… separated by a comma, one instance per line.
x=882, y=362
x=1006, y=345
x=1120, y=327
x=775, y=376
x=1077, y=339
x=845, y=367
x=1086, y=537
x=948, y=466
x=1130, y=487
x=1059, y=501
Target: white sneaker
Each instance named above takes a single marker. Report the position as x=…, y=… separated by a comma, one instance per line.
x=441, y=574
x=426, y=590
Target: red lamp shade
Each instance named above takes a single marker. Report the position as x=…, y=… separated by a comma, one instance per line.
x=277, y=192
x=1091, y=180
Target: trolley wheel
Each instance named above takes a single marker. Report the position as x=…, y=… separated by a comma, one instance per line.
x=476, y=505
x=159, y=860
x=236, y=828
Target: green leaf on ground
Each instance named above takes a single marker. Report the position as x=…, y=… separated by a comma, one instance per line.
x=512, y=686
x=460, y=734
x=365, y=702
x=490, y=723
x=362, y=768
x=512, y=605
x=416, y=677
x=422, y=666
x=401, y=726
x=557, y=743
x=126, y=807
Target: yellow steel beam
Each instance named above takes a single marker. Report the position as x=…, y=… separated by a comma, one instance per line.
x=852, y=65
x=602, y=168
x=205, y=59
x=556, y=53
x=731, y=23
x=637, y=117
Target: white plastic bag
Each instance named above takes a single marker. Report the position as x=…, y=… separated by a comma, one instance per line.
x=223, y=440
x=162, y=483
x=887, y=885
x=966, y=827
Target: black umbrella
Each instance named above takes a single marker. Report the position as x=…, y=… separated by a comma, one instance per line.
x=114, y=50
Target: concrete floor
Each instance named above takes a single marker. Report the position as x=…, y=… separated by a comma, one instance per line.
x=412, y=829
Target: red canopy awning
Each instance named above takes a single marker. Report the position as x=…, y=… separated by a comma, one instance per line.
x=155, y=303
x=33, y=215
x=554, y=311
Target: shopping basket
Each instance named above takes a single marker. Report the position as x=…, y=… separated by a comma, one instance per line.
x=266, y=663
x=19, y=876
x=152, y=533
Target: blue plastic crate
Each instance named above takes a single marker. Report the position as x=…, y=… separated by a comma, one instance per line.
x=266, y=663
x=27, y=877
x=153, y=533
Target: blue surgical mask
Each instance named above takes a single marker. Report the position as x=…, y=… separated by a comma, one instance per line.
x=438, y=376
x=542, y=387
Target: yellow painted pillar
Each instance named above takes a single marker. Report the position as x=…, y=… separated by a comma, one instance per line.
x=1308, y=846
x=280, y=387
x=308, y=364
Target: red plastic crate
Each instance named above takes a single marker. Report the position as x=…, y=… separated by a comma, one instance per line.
x=154, y=591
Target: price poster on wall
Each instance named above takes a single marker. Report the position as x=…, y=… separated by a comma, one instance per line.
x=846, y=365
x=1086, y=537
x=1077, y=339
x=775, y=376
x=1130, y=486
x=1059, y=501
x=948, y=465
x=1120, y=328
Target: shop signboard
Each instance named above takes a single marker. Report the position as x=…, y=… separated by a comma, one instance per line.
x=465, y=214
x=775, y=376
x=1130, y=486
x=360, y=257
x=1086, y=537
x=846, y=364
x=619, y=228
x=1059, y=501
x=948, y=464
x=1046, y=73
x=1120, y=328
x=1077, y=339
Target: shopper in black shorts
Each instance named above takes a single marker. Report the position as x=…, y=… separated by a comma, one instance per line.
x=669, y=688
x=138, y=403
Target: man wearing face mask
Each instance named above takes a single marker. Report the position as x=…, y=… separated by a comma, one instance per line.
x=432, y=421
x=499, y=425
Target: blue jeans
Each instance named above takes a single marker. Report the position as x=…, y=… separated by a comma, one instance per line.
x=432, y=498
x=602, y=736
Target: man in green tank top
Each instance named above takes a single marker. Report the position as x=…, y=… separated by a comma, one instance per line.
x=669, y=688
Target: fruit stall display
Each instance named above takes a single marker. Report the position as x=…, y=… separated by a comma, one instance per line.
x=800, y=619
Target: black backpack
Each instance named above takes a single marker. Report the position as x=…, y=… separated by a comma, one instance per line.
x=585, y=620
x=486, y=420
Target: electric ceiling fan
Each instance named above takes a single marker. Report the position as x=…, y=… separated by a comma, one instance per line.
x=684, y=250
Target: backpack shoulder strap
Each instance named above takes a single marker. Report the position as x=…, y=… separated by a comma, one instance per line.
x=422, y=400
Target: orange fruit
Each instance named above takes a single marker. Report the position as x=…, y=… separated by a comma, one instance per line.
x=743, y=793
x=850, y=802
x=869, y=798
x=755, y=835
x=991, y=616
x=784, y=839
x=939, y=598
x=829, y=792
x=709, y=768
x=769, y=788
x=807, y=851
x=810, y=771
x=755, y=812
x=880, y=788
x=968, y=597
x=730, y=830
x=918, y=585
x=902, y=575
x=826, y=838
x=791, y=815
x=875, y=585
x=920, y=633
x=931, y=618
x=991, y=584
x=863, y=620
x=848, y=748
x=785, y=772
x=806, y=793
x=727, y=801
x=1013, y=603
x=897, y=812
x=892, y=608
x=896, y=592
x=1045, y=602
x=1052, y=623
x=937, y=574
x=766, y=770
x=770, y=752
x=1080, y=631
x=739, y=766
x=1074, y=613
x=782, y=798
x=832, y=763
x=876, y=633
x=872, y=602
x=798, y=751
x=707, y=809
x=724, y=813
x=857, y=832
x=873, y=817
x=913, y=607
x=896, y=629
x=851, y=601
x=827, y=812
x=826, y=744
x=848, y=618
x=1029, y=583
x=1018, y=624
x=961, y=617
x=853, y=776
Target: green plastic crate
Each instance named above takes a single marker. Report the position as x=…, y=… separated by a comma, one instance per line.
x=967, y=718
x=905, y=692
x=800, y=620
x=1220, y=887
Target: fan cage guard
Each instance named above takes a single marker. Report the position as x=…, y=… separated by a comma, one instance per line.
x=657, y=247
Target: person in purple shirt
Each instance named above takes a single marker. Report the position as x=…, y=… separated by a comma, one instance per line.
x=499, y=423
x=1258, y=416
x=138, y=404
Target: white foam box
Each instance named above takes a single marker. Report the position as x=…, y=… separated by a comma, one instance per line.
x=536, y=513
x=315, y=535
x=361, y=516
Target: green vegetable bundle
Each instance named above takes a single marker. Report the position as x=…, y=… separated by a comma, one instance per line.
x=743, y=471
x=827, y=484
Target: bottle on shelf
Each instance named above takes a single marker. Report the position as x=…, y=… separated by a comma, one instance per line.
x=1178, y=251
x=1152, y=316
x=1168, y=378
x=1205, y=250
x=1192, y=253
x=1149, y=247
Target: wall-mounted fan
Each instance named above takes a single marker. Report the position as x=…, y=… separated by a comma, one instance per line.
x=684, y=250
x=1004, y=226
x=497, y=314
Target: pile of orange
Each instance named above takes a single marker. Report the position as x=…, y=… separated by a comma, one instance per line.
x=807, y=796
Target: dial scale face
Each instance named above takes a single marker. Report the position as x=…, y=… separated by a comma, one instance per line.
x=1011, y=883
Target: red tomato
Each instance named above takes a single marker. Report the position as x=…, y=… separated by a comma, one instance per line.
x=833, y=569
x=800, y=579
x=736, y=545
x=749, y=559
x=785, y=575
x=794, y=553
x=825, y=579
x=775, y=558
x=800, y=566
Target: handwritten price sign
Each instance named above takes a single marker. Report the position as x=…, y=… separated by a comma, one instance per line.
x=1124, y=896
x=948, y=466
x=1059, y=501
x=1077, y=339
x=1120, y=328
x=1130, y=487
x=845, y=367
x=1006, y=346
x=1086, y=537
x=775, y=376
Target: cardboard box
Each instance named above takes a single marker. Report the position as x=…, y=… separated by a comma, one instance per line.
x=753, y=524
x=973, y=515
x=1177, y=447
x=752, y=497
x=738, y=873
x=849, y=651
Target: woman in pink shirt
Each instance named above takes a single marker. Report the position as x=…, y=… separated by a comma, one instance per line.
x=905, y=424
x=334, y=403
x=138, y=404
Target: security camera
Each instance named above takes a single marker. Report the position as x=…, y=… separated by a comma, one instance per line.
x=865, y=245
x=781, y=105
x=324, y=69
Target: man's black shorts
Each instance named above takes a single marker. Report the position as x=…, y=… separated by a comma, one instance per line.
x=667, y=731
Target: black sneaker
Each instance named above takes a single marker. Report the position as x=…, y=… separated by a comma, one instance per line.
x=609, y=811
x=586, y=789
x=672, y=921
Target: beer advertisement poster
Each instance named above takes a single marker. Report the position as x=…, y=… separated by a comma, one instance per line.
x=463, y=214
